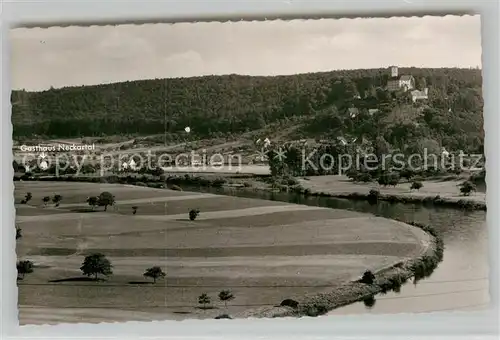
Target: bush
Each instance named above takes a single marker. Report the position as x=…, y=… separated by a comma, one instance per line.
x=368, y=277
x=105, y=199
x=391, y=178
x=467, y=187
x=407, y=173
x=478, y=178
x=365, y=177
x=219, y=182
x=369, y=302
x=223, y=316
x=289, y=303
x=373, y=195
x=353, y=175
x=416, y=185
x=316, y=310
x=193, y=214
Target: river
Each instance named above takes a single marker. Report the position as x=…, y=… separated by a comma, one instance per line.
x=460, y=282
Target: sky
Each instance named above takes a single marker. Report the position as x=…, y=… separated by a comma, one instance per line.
x=73, y=56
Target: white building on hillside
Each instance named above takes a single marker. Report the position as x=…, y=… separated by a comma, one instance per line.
x=396, y=82
x=419, y=95
x=342, y=141
x=353, y=112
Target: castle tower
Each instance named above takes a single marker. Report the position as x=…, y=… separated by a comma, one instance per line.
x=394, y=71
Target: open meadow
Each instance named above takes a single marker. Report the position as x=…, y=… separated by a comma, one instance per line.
x=262, y=251
x=449, y=189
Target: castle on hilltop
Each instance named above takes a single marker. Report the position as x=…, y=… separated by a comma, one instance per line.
x=396, y=82
x=405, y=83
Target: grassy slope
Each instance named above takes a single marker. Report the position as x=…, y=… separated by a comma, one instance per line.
x=252, y=249
x=342, y=185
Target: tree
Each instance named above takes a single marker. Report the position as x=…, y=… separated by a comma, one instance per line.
x=381, y=148
x=24, y=267
x=467, y=187
x=416, y=185
x=204, y=300
x=96, y=264
x=105, y=199
x=134, y=210
x=93, y=201
x=225, y=296
x=46, y=200
x=57, y=200
x=193, y=214
x=154, y=273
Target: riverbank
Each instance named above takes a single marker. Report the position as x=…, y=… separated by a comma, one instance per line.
x=386, y=279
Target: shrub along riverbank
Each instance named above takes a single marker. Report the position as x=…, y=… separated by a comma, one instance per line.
x=374, y=196
x=389, y=279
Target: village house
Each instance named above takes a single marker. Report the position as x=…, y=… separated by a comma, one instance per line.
x=196, y=160
x=396, y=82
x=419, y=95
x=342, y=141
x=353, y=112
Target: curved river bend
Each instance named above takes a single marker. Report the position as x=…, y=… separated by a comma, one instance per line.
x=460, y=282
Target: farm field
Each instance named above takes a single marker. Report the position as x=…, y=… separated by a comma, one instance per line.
x=342, y=185
x=262, y=251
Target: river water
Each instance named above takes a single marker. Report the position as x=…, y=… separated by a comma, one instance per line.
x=460, y=282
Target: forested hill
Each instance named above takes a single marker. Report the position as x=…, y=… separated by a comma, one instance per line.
x=215, y=105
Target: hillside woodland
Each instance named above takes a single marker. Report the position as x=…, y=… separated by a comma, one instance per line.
x=314, y=105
